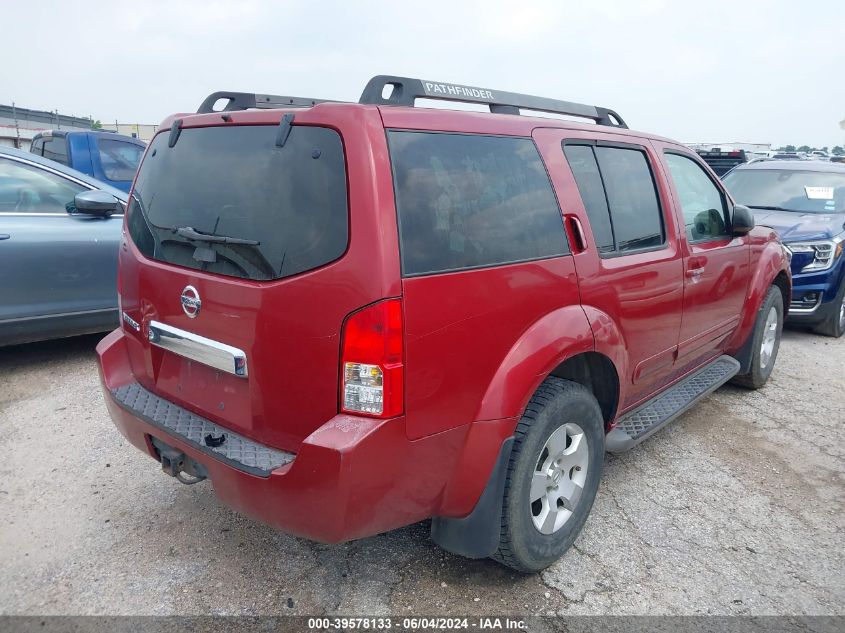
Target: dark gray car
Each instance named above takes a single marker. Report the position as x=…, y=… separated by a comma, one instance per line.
x=60, y=232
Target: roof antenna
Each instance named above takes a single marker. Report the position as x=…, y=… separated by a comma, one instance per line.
x=284, y=129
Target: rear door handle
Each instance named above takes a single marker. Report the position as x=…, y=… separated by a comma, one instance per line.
x=4, y=236
x=580, y=242
x=695, y=273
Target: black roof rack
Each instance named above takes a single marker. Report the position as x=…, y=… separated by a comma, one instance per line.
x=247, y=100
x=406, y=90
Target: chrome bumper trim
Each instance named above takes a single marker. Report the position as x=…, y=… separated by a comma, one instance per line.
x=796, y=310
x=203, y=350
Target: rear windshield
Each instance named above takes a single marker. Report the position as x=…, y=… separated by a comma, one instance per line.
x=466, y=201
x=283, y=209
x=788, y=190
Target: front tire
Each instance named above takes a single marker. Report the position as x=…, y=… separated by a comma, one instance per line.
x=553, y=475
x=834, y=325
x=765, y=341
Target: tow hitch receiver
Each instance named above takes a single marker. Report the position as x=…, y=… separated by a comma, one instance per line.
x=176, y=464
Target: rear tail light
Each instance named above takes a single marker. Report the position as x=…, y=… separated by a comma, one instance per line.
x=372, y=369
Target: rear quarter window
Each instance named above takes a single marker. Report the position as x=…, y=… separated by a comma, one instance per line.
x=468, y=201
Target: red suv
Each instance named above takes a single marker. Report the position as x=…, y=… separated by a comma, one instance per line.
x=356, y=316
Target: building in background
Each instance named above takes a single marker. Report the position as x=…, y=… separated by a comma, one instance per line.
x=135, y=130
x=18, y=125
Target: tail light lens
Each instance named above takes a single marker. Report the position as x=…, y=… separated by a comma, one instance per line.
x=372, y=361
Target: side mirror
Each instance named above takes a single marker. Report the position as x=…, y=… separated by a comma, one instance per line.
x=742, y=220
x=99, y=203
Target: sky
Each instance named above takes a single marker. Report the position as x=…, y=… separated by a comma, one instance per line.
x=761, y=71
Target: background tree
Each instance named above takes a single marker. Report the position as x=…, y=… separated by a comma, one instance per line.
x=804, y=148
x=96, y=125
x=838, y=150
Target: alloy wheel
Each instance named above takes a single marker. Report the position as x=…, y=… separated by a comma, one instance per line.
x=559, y=478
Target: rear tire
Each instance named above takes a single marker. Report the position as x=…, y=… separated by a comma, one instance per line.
x=765, y=341
x=834, y=325
x=553, y=475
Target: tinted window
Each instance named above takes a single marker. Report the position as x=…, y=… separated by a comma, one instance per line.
x=56, y=149
x=632, y=198
x=582, y=161
x=701, y=201
x=288, y=203
x=28, y=189
x=37, y=147
x=468, y=200
x=793, y=190
x=619, y=181
x=119, y=159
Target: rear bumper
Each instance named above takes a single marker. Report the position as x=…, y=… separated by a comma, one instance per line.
x=353, y=477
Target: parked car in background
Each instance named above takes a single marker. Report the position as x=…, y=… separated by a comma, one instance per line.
x=805, y=202
x=399, y=313
x=59, y=237
x=818, y=154
x=108, y=157
x=722, y=162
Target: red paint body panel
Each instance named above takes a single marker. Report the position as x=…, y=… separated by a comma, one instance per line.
x=713, y=300
x=477, y=343
x=641, y=292
x=459, y=329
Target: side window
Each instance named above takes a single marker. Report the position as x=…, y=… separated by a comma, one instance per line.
x=56, y=149
x=119, y=159
x=466, y=201
x=617, y=187
x=701, y=200
x=37, y=147
x=28, y=189
x=582, y=161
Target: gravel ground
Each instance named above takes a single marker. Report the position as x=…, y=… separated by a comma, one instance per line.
x=735, y=508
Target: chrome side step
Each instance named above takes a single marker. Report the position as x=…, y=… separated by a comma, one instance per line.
x=652, y=416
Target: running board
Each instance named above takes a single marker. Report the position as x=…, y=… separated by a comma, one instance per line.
x=652, y=416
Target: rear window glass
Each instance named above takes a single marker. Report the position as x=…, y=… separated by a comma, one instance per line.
x=617, y=180
x=283, y=209
x=582, y=161
x=466, y=201
x=632, y=198
x=56, y=149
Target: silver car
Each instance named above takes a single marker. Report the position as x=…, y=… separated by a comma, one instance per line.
x=60, y=232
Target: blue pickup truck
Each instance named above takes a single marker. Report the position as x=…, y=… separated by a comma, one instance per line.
x=108, y=157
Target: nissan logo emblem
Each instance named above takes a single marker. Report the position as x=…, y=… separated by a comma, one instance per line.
x=191, y=303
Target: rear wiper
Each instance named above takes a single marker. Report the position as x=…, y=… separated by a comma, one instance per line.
x=767, y=208
x=192, y=234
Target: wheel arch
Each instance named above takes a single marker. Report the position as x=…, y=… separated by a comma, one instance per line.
x=772, y=269
x=543, y=347
x=597, y=373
